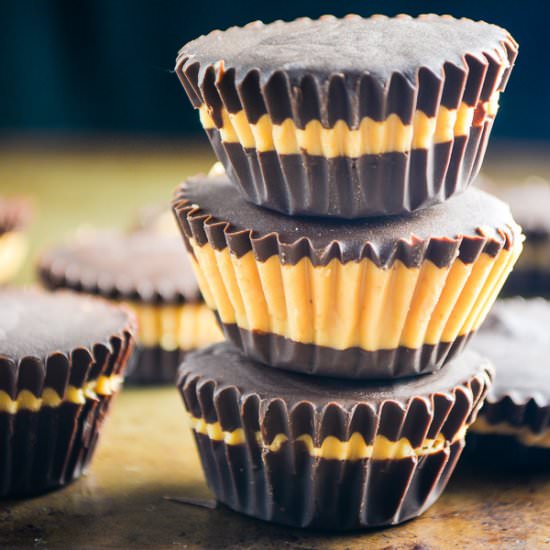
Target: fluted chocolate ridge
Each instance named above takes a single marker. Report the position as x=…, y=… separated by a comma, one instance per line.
x=209, y=211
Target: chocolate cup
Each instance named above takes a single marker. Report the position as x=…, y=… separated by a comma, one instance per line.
x=259, y=270
x=254, y=71
x=50, y=448
x=152, y=365
x=293, y=486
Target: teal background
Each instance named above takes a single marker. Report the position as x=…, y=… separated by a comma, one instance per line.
x=105, y=66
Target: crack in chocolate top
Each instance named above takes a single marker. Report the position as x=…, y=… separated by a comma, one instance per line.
x=315, y=69
x=146, y=266
x=210, y=210
x=516, y=339
x=39, y=324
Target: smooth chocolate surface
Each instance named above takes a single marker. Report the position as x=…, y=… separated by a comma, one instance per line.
x=378, y=45
x=516, y=339
x=374, y=58
x=38, y=324
x=144, y=266
x=229, y=370
x=209, y=210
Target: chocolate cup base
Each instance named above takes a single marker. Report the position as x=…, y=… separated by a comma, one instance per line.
x=153, y=366
x=504, y=453
x=528, y=283
x=48, y=449
x=298, y=490
x=277, y=351
x=344, y=187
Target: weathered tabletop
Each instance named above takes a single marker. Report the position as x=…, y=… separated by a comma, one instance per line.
x=147, y=452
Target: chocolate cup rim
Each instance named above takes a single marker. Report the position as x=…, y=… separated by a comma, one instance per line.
x=76, y=283
x=190, y=215
x=518, y=412
x=81, y=364
x=186, y=65
x=208, y=393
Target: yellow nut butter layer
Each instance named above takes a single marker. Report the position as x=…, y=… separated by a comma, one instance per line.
x=356, y=304
x=60, y=347
x=13, y=249
x=359, y=286
x=331, y=448
x=27, y=401
x=234, y=400
x=371, y=137
x=172, y=327
x=263, y=433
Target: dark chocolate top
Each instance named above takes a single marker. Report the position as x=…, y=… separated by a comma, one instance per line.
x=38, y=324
x=332, y=69
x=379, y=45
x=516, y=339
x=530, y=204
x=146, y=266
x=14, y=213
x=210, y=210
x=227, y=366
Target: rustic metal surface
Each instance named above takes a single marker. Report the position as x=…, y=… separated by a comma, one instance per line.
x=147, y=452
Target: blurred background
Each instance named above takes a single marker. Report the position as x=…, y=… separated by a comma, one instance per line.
x=94, y=123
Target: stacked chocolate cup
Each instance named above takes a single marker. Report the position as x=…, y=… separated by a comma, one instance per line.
x=346, y=258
